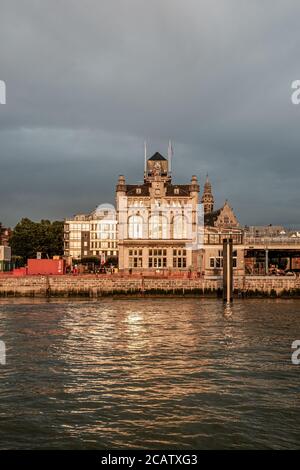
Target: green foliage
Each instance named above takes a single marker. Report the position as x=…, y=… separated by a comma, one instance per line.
x=30, y=237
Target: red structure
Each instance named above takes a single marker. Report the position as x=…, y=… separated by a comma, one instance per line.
x=19, y=272
x=45, y=267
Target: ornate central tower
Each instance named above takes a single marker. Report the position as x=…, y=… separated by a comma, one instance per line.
x=157, y=169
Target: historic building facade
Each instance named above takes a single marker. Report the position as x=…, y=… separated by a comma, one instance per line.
x=157, y=220
x=158, y=226
x=220, y=224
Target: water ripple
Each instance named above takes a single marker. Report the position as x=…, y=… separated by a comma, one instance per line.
x=161, y=374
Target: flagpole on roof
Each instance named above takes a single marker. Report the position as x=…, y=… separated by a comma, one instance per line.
x=145, y=158
x=170, y=152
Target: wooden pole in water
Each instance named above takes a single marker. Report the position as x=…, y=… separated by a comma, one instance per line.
x=227, y=270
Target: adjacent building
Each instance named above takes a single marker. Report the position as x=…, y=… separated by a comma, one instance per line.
x=5, y=258
x=91, y=235
x=5, y=234
x=5, y=251
x=221, y=224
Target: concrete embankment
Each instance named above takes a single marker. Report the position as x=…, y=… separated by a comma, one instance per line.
x=97, y=286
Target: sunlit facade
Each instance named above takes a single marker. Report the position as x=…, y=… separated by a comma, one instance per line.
x=157, y=220
x=92, y=235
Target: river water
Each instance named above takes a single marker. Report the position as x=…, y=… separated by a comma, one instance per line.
x=153, y=373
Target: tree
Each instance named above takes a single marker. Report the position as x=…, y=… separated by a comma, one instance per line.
x=30, y=237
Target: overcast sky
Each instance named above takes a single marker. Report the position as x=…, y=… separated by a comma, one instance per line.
x=88, y=81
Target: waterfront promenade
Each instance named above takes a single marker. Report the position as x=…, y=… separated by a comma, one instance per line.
x=114, y=284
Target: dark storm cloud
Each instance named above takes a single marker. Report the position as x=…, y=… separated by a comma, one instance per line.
x=87, y=82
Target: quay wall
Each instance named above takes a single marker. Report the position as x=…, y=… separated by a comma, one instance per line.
x=97, y=286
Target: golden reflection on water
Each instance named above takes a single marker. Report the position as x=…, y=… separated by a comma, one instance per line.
x=228, y=311
x=160, y=373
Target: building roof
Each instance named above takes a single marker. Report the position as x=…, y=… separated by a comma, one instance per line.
x=131, y=189
x=211, y=217
x=157, y=156
x=182, y=190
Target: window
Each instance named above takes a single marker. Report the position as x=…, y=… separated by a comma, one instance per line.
x=214, y=239
x=179, y=227
x=217, y=261
x=234, y=258
x=75, y=235
x=75, y=244
x=179, y=258
x=135, y=226
x=157, y=258
x=158, y=227
x=135, y=258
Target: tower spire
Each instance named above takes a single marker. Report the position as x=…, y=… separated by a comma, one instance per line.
x=207, y=197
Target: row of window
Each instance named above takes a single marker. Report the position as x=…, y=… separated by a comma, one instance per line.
x=159, y=227
x=157, y=258
x=217, y=261
x=75, y=244
x=217, y=239
x=156, y=262
x=103, y=235
x=104, y=227
x=75, y=236
x=158, y=252
x=103, y=245
x=107, y=253
x=77, y=253
x=79, y=227
x=173, y=203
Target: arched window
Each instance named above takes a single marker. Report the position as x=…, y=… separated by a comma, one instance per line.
x=158, y=226
x=179, y=226
x=135, y=226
